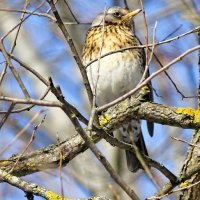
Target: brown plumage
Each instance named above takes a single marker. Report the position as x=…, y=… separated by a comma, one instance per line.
x=118, y=73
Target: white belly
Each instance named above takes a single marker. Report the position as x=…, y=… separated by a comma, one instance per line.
x=118, y=74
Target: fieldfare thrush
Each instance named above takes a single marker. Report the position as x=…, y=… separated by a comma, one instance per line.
x=118, y=73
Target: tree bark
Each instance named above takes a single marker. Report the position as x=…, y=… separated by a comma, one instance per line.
x=192, y=159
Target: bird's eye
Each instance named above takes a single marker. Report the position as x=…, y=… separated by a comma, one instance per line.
x=116, y=14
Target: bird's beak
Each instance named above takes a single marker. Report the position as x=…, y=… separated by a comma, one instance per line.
x=131, y=14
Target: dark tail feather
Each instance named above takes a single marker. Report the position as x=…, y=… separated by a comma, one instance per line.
x=132, y=161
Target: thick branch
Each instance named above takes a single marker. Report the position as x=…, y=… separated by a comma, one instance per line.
x=167, y=115
x=45, y=158
x=115, y=116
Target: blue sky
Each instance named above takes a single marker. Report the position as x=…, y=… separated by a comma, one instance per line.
x=52, y=49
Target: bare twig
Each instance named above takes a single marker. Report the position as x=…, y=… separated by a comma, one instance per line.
x=149, y=78
x=186, y=142
x=149, y=45
x=28, y=187
x=25, y=18
x=49, y=83
x=19, y=27
x=168, y=76
x=32, y=101
x=3, y=73
x=173, y=191
x=27, y=146
x=5, y=117
x=154, y=40
x=16, y=75
x=126, y=4
x=28, y=107
x=151, y=56
x=21, y=132
x=143, y=162
x=93, y=148
x=60, y=168
x=70, y=10
x=73, y=49
x=146, y=41
x=30, y=12
x=172, y=33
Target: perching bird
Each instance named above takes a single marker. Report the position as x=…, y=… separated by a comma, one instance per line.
x=118, y=73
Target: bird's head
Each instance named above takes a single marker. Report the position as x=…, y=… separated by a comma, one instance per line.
x=116, y=16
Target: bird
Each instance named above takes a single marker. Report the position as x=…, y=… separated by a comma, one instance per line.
x=116, y=74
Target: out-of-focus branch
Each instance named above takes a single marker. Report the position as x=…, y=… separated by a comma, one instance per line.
x=73, y=49
x=29, y=12
x=31, y=101
x=113, y=118
x=174, y=191
x=90, y=144
x=16, y=75
x=183, y=179
x=34, y=189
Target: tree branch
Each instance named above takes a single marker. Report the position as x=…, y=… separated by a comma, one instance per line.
x=32, y=188
x=115, y=116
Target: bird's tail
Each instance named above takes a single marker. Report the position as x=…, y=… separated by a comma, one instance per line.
x=132, y=132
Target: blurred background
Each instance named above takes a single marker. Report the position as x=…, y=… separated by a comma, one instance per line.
x=41, y=45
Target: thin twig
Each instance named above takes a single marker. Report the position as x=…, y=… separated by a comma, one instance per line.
x=144, y=46
x=30, y=69
x=19, y=27
x=60, y=167
x=70, y=10
x=172, y=33
x=126, y=4
x=146, y=39
x=27, y=146
x=28, y=108
x=186, y=142
x=49, y=84
x=31, y=101
x=168, y=76
x=3, y=73
x=143, y=162
x=73, y=49
x=173, y=191
x=21, y=132
x=9, y=32
x=146, y=71
x=16, y=75
x=149, y=78
x=5, y=117
x=93, y=148
x=29, y=12
x=99, y=57
x=154, y=40
x=11, y=51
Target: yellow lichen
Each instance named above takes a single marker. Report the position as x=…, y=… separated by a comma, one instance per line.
x=193, y=114
x=73, y=115
x=30, y=164
x=4, y=163
x=53, y=196
x=38, y=188
x=104, y=119
x=145, y=89
x=184, y=184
